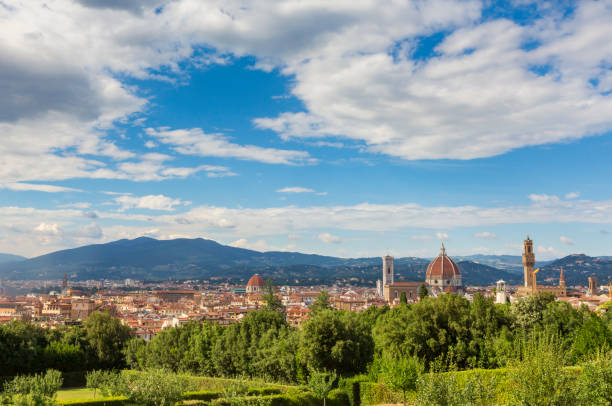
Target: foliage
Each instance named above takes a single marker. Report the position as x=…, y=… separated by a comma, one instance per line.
x=423, y=292
x=107, y=336
x=273, y=302
x=336, y=341
x=37, y=390
x=112, y=401
x=594, y=385
x=321, y=303
x=154, y=388
x=538, y=378
x=321, y=383
x=401, y=374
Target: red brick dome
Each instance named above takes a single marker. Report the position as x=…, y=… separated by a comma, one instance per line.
x=256, y=281
x=442, y=267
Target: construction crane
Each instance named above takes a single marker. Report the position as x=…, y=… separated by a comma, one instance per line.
x=534, y=282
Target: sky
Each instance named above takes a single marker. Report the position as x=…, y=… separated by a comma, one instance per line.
x=348, y=128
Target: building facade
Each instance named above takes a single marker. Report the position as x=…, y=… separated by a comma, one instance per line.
x=443, y=275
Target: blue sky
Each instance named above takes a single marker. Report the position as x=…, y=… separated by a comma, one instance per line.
x=348, y=128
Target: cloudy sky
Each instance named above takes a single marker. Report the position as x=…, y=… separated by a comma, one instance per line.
x=342, y=127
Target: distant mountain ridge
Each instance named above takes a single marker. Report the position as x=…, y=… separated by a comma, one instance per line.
x=151, y=259
x=4, y=258
x=577, y=268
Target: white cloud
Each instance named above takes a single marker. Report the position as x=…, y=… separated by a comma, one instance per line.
x=544, y=198
x=572, y=195
x=412, y=109
x=548, y=252
x=194, y=141
x=295, y=189
x=48, y=229
x=26, y=227
x=77, y=205
x=151, y=202
x=329, y=238
x=259, y=245
x=20, y=186
x=441, y=236
x=485, y=235
x=421, y=237
x=566, y=240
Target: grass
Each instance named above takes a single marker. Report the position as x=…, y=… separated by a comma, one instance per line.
x=77, y=394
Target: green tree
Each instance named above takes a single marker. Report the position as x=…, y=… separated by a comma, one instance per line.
x=273, y=302
x=321, y=303
x=107, y=336
x=336, y=341
x=135, y=353
x=321, y=383
x=403, y=298
x=401, y=374
x=423, y=292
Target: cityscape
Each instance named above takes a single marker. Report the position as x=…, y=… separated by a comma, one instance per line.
x=305, y=203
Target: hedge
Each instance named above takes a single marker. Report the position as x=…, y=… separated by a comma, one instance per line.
x=202, y=395
x=112, y=401
x=372, y=393
x=350, y=386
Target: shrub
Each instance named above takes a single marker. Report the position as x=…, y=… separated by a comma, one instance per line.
x=594, y=386
x=351, y=386
x=39, y=390
x=321, y=383
x=402, y=374
x=376, y=393
x=539, y=379
x=154, y=388
x=201, y=395
x=112, y=401
x=439, y=389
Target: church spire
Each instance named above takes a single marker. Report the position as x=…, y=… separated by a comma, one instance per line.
x=443, y=250
x=562, y=278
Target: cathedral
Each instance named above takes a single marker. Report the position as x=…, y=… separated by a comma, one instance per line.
x=442, y=276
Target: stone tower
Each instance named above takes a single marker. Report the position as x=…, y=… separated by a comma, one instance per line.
x=562, y=279
x=387, y=265
x=65, y=283
x=528, y=261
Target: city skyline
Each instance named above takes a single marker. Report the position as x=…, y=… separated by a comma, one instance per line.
x=346, y=129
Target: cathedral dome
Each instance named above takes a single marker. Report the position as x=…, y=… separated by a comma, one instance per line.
x=443, y=271
x=255, y=284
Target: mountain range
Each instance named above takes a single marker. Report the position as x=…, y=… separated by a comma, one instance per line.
x=151, y=259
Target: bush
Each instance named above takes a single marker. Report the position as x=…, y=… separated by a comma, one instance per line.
x=351, y=386
x=594, y=385
x=439, y=389
x=39, y=389
x=539, y=379
x=154, y=388
x=201, y=395
x=375, y=393
x=112, y=401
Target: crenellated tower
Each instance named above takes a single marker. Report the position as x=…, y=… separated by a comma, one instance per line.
x=528, y=261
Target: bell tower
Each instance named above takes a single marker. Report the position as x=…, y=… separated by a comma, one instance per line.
x=387, y=268
x=528, y=261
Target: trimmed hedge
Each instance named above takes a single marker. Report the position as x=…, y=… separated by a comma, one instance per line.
x=372, y=393
x=351, y=386
x=202, y=395
x=112, y=401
